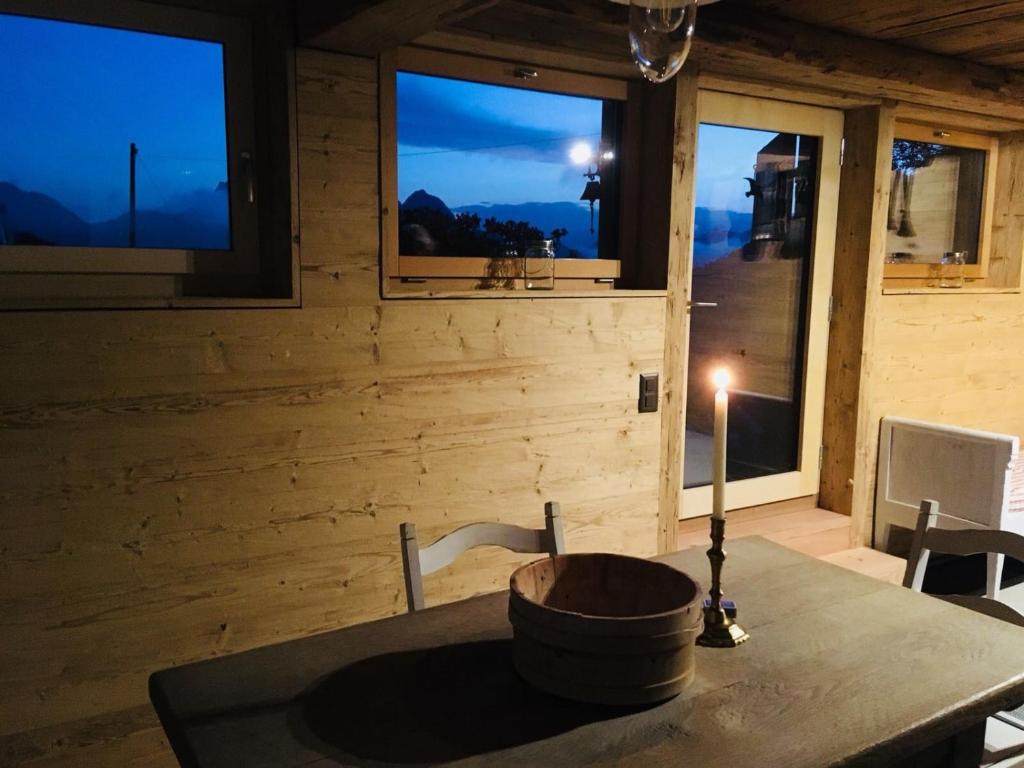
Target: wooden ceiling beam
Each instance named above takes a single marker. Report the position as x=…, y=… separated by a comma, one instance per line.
x=801, y=54
x=767, y=48
x=888, y=20
x=367, y=27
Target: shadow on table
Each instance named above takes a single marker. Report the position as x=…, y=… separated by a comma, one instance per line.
x=433, y=705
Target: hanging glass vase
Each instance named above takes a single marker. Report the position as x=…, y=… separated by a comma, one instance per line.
x=660, y=35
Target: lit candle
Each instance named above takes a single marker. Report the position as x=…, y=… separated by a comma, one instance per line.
x=721, y=380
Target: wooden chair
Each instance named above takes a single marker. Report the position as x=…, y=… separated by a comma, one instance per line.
x=974, y=475
x=927, y=539
x=419, y=562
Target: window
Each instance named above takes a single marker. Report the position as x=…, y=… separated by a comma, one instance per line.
x=941, y=196
x=130, y=147
x=498, y=173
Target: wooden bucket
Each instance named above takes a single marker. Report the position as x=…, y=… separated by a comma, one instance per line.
x=605, y=629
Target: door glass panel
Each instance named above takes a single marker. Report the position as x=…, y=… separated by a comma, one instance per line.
x=753, y=236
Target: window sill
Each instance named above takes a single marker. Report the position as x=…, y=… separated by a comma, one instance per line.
x=480, y=268
x=894, y=291
x=419, y=291
x=82, y=303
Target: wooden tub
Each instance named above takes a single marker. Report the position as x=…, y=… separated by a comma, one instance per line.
x=606, y=629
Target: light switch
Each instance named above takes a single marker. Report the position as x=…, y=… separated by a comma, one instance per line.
x=648, y=393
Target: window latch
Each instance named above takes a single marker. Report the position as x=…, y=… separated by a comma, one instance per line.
x=250, y=187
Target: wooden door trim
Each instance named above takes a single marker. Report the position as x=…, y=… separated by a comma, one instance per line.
x=768, y=114
x=677, y=316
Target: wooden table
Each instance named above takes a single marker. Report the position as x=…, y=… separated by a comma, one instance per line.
x=841, y=669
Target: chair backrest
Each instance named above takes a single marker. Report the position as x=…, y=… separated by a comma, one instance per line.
x=419, y=562
x=966, y=470
x=928, y=538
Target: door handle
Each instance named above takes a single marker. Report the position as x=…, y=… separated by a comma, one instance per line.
x=692, y=304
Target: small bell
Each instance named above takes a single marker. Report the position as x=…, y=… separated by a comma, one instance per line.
x=591, y=193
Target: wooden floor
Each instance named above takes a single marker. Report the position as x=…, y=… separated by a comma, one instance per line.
x=801, y=525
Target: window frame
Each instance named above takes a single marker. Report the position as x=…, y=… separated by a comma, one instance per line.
x=253, y=269
x=935, y=134
x=457, y=274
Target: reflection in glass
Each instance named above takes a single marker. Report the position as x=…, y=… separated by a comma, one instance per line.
x=752, y=254
x=76, y=98
x=935, y=202
x=484, y=170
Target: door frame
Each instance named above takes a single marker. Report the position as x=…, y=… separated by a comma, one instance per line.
x=758, y=113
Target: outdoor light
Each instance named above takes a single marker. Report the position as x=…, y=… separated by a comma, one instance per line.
x=581, y=153
x=721, y=378
x=660, y=34
x=608, y=155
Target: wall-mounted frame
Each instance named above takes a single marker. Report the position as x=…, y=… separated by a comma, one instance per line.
x=405, y=271
x=942, y=195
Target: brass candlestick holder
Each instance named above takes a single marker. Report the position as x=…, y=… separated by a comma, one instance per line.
x=720, y=630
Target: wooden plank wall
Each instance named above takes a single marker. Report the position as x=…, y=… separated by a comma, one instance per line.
x=179, y=485
x=955, y=359
x=952, y=357
x=856, y=290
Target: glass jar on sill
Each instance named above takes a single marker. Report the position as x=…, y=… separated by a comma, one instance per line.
x=953, y=267
x=539, y=265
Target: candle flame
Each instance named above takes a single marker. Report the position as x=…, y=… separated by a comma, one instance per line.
x=721, y=378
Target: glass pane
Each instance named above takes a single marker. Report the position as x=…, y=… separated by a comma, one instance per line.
x=483, y=170
x=935, y=202
x=76, y=98
x=752, y=253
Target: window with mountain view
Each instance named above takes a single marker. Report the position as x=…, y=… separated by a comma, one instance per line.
x=112, y=138
x=484, y=170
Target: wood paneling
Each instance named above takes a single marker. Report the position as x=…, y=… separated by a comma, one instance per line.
x=677, y=311
x=1008, y=215
x=368, y=27
x=185, y=484
x=946, y=356
x=754, y=45
x=978, y=30
x=798, y=53
x=847, y=461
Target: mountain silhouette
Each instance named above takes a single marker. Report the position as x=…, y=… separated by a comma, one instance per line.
x=710, y=225
x=547, y=217
x=423, y=199
x=35, y=218
x=194, y=220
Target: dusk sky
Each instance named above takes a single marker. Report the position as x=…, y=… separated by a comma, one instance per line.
x=469, y=143
x=725, y=156
x=75, y=96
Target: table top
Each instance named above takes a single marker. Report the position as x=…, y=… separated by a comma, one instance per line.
x=840, y=670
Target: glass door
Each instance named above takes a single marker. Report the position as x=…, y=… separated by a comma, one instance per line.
x=767, y=188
